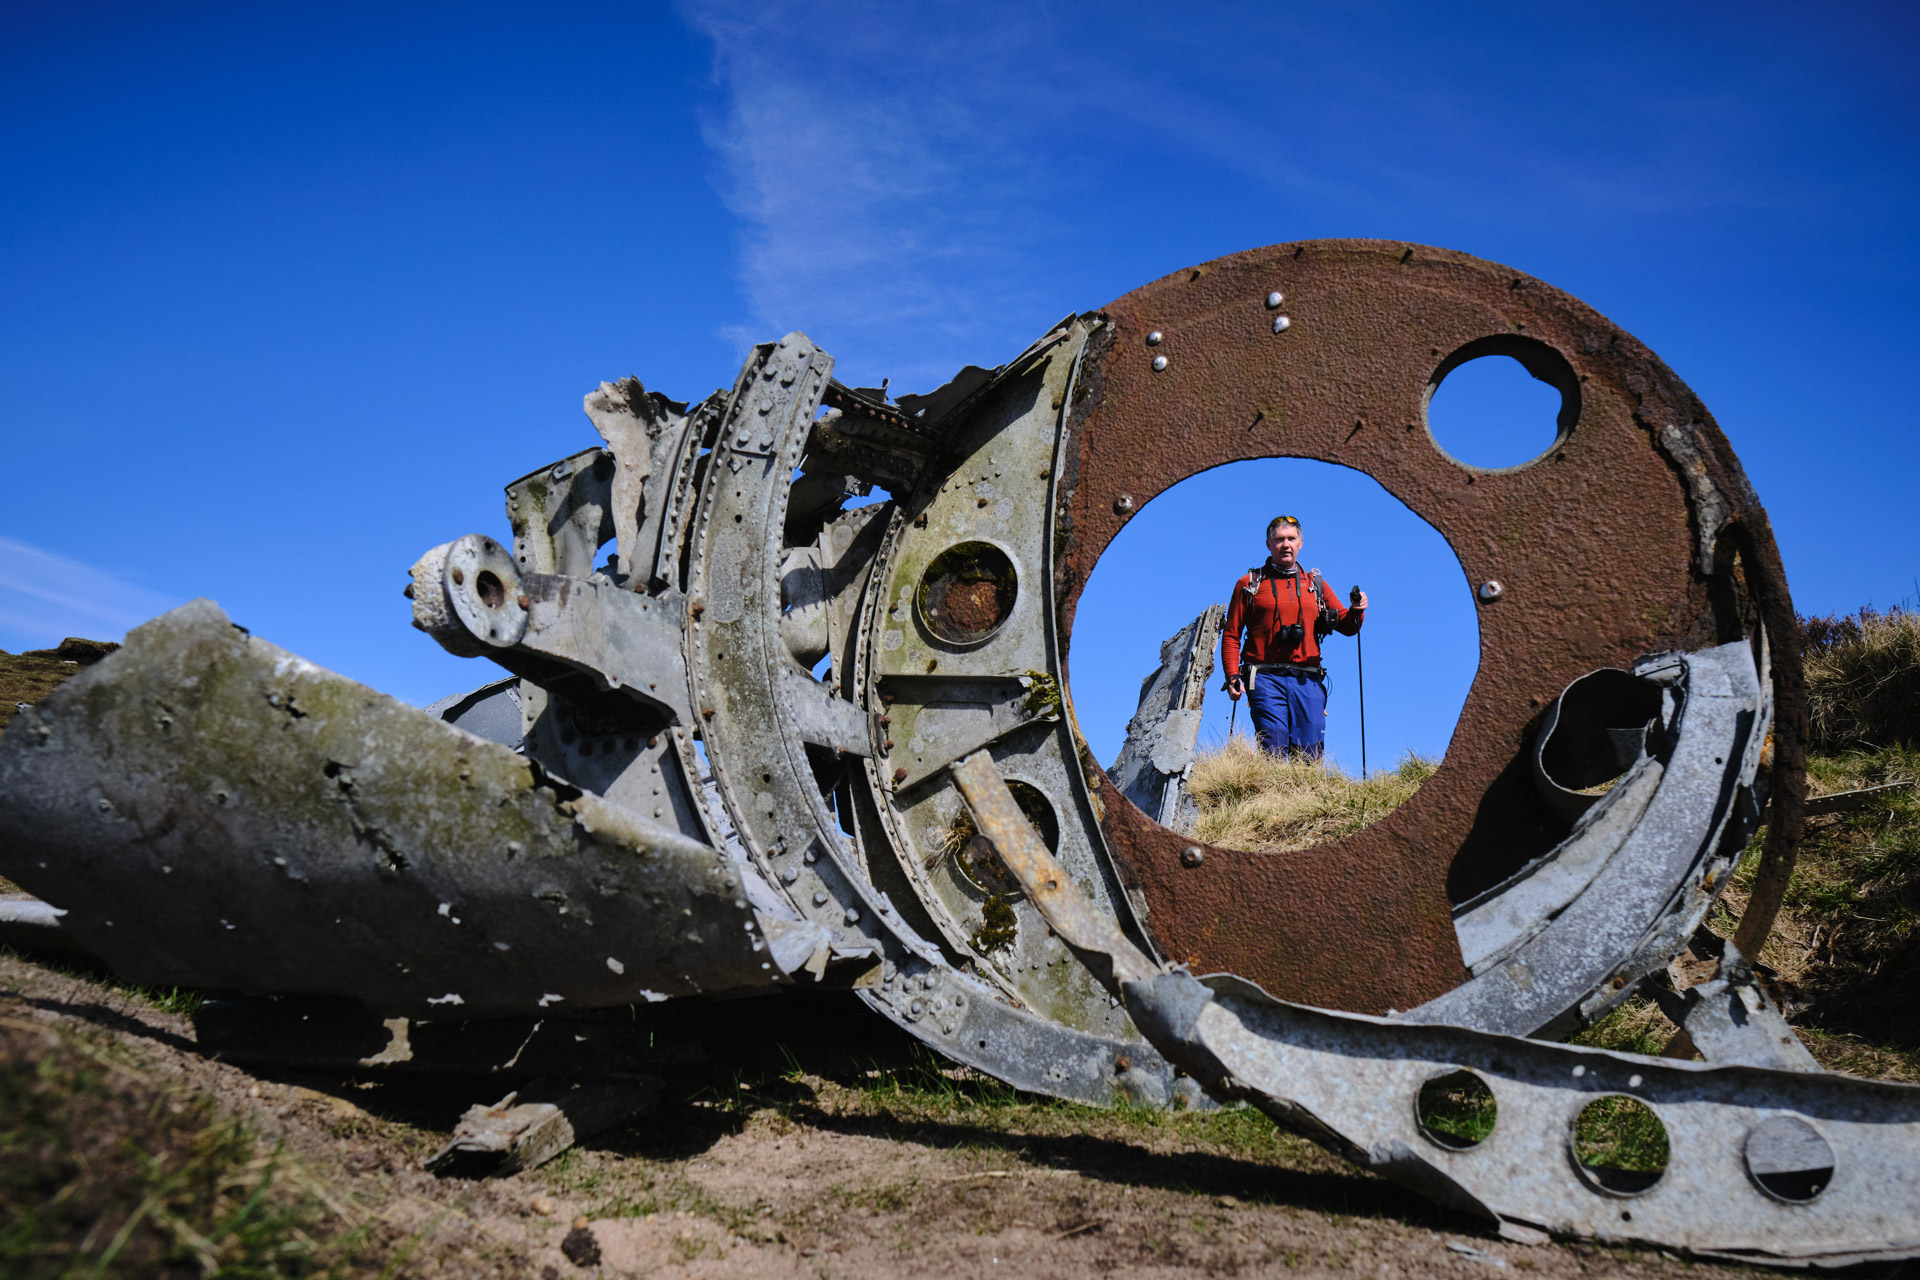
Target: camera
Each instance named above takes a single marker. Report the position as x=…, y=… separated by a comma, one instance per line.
x=1290, y=637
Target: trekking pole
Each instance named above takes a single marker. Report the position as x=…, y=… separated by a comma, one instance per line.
x=1230, y=715
x=1360, y=668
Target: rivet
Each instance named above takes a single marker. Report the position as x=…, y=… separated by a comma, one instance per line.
x=1154, y=338
x=1193, y=855
x=820, y=898
x=899, y=776
x=1159, y=364
x=1274, y=299
x=1123, y=504
x=853, y=915
x=522, y=601
x=1491, y=590
x=1281, y=324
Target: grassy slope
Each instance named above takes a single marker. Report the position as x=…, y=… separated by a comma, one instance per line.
x=29, y=677
x=1267, y=804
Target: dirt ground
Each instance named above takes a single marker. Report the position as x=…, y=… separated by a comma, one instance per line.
x=787, y=1170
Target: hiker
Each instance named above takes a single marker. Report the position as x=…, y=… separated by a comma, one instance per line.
x=1285, y=612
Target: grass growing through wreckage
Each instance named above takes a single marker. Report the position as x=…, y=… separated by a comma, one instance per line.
x=1846, y=946
x=1268, y=804
x=105, y=1173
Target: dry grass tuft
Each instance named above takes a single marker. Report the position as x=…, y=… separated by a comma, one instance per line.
x=1269, y=804
x=1863, y=679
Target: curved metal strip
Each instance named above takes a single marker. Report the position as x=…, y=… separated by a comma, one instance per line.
x=1583, y=962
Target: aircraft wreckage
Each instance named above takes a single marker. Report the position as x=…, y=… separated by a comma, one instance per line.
x=774, y=740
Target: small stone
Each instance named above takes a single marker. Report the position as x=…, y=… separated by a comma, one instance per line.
x=581, y=1248
x=543, y=1205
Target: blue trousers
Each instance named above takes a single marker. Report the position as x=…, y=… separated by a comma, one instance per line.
x=1289, y=714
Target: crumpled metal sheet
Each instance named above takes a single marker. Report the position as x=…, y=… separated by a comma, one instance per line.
x=304, y=833
x=1156, y=759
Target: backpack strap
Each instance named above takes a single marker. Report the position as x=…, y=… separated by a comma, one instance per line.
x=1323, y=621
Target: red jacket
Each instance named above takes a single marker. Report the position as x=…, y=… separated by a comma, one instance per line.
x=1264, y=601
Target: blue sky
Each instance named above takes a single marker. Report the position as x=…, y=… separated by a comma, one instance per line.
x=292, y=290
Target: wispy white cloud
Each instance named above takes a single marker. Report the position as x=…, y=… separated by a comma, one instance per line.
x=46, y=597
x=876, y=163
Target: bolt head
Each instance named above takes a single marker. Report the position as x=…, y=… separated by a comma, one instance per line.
x=1490, y=590
x=1193, y=855
x=1274, y=299
x=1281, y=324
x=1123, y=504
x=1159, y=364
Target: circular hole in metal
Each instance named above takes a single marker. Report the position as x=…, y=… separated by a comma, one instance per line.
x=1456, y=1110
x=1788, y=1159
x=1502, y=402
x=967, y=593
x=493, y=593
x=976, y=860
x=1619, y=1144
x=1188, y=549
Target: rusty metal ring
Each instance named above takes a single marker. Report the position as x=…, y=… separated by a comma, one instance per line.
x=1639, y=501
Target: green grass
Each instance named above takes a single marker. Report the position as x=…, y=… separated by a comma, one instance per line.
x=1637, y=1026
x=181, y=1000
x=1622, y=1134
x=1457, y=1109
x=104, y=1173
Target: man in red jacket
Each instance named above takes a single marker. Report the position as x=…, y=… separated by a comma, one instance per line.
x=1285, y=611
